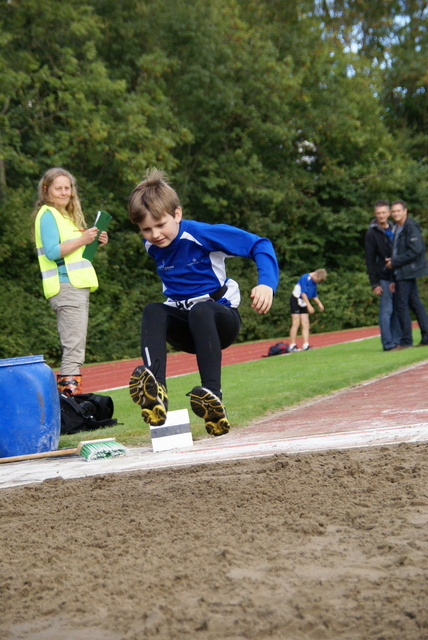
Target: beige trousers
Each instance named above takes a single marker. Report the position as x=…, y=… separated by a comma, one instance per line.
x=71, y=306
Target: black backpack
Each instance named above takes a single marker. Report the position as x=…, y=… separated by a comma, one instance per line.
x=85, y=412
x=278, y=349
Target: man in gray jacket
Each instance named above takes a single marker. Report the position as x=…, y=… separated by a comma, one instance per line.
x=378, y=246
x=408, y=262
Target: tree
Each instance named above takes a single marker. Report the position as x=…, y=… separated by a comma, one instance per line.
x=286, y=119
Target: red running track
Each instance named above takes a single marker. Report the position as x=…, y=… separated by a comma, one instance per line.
x=114, y=375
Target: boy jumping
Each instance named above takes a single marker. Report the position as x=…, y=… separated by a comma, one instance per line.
x=200, y=314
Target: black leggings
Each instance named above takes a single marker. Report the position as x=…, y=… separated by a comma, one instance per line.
x=206, y=329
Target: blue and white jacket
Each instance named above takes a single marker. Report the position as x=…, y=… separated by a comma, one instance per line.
x=305, y=284
x=192, y=267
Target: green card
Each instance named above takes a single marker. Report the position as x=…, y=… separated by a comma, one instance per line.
x=101, y=222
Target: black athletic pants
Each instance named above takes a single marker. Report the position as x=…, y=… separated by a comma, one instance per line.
x=206, y=329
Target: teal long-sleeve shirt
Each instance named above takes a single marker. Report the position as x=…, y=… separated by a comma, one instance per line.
x=50, y=239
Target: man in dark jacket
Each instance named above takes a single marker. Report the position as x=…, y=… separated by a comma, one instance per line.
x=408, y=262
x=378, y=247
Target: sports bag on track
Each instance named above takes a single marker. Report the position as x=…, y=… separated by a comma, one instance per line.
x=278, y=349
x=85, y=412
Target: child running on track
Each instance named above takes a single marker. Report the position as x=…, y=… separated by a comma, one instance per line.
x=200, y=314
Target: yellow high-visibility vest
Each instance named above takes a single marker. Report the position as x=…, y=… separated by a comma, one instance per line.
x=80, y=271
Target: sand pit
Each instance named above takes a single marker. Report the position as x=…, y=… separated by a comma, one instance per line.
x=303, y=546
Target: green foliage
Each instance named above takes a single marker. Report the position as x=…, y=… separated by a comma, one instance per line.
x=286, y=119
x=27, y=325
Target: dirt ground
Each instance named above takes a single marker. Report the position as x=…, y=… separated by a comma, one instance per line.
x=300, y=547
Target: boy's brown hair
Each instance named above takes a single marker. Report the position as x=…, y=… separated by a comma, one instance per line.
x=153, y=195
x=321, y=274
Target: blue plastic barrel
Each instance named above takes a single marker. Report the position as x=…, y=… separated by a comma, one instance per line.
x=30, y=415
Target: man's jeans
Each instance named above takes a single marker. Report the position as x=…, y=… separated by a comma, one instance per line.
x=390, y=331
x=408, y=299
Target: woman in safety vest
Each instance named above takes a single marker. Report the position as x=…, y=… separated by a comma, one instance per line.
x=68, y=278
